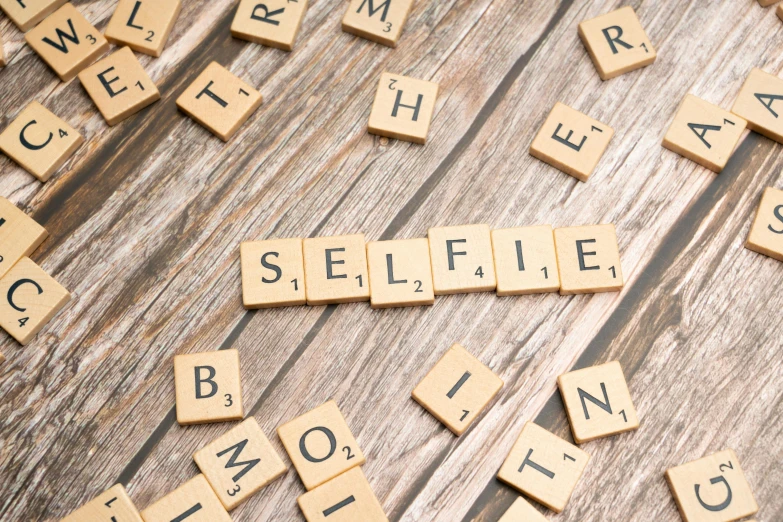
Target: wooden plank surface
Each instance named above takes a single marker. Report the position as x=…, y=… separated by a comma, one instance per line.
x=146, y=220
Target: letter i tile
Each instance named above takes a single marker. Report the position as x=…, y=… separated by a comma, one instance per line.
x=346, y=498
x=193, y=501
x=112, y=504
x=208, y=387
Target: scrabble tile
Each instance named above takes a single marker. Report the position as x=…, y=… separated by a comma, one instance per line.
x=272, y=273
x=589, y=259
x=143, y=25
x=194, y=501
x=403, y=108
x=347, y=498
x=544, y=467
x=380, y=21
x=118, y=86
x=239, y=463
x=571, y=141
x=400, y=273
x=111, y=505
x=28, y=13
x=39, y=141
x=522, y=511
x=67, y=42
x=617, y=43
x=525, y=261
x=598, y=402
x=760, y=102
x=767, y=3
x=208, y=386
x=766, y=233
x=219, y=101
x=20, y=235
x=779, y=12
x=336, y=270
x=274, y=23
x=712, y=489
x=462, y=259
x=320, y=445
x=30, y=298
x=704, y=133
x=2, y=53
x=456, y=389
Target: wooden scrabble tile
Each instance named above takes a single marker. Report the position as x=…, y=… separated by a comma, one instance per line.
x=598, y=402
x=779, y=12
x=544, y=467
x=571, y=141
x=346, y=498
x=336, y=270
x=20, y=235
x=320, y=445
x=767, y=3
x=219, y=101
x=461, y=259
x=208, y=387
x=589, y=259
x=712, y=489
x=759, y=102
x=525, y=261
x=239, y=463
x=274, y=23
x=272, y=273
x=39, y=141
x=30, y=298
x=2, y=53
x=766, y=233
x=403, y=108
x=380, y=21
x=617, y=43
x=704, y=133
x=522, y=511
x=400, y=273
x=456, y=389
x=143, y=25
x=118, y=86
x=67, y=42
x=111, y=505
x=28, y=13
x=194, y=501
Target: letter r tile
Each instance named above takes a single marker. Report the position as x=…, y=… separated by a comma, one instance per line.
x=274, y=23
x=208, y=387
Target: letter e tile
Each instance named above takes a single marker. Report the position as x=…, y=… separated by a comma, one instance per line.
x=712, y=489
x=346, y=498
x=20, y=235
x=589, y=259
x=403, y=108
x=336, y=270
x=112, y=504
x=208, y=387
x=194, y=501
x=766, y=233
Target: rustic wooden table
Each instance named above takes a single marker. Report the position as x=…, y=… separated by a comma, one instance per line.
x=146, y=221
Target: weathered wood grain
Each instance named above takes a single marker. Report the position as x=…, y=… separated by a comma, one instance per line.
x=147, y=218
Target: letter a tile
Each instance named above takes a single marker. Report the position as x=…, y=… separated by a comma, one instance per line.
x=347, y=498
x=522, y=511
x=219, y=101
x=320, y=445
x=143, y=25
x=67, y=42
x=380, y=20
x=766, y=233
x=29, y=298
x=598, y=402
x=403, y=108
x=617, y=43
x=525, y=260
x=39, y=141
x=760, y=102
x=119, y=86
x=194, y=501
x=457, y=389
x=704, y=133
x=274, y=23
x=336, y=270
x=712, y=489
x=571, y=141
x=400, y=273
x=208, y=387
x=239, y=463
x=272, y=273
x=28, y=13
x=544, y=467
x=589, y=259
x=462, y=259
x=112, y=504
x=20, y=235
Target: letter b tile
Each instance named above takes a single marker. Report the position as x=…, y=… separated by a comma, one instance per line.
x=208, y=387
x=346, y=498
x=712, y=489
